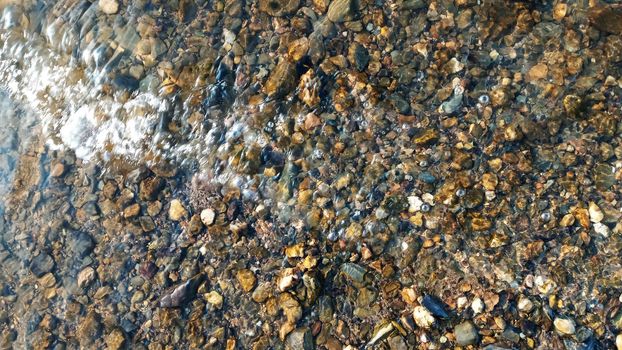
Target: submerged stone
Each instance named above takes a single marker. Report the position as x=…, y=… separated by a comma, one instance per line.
x=466, y=334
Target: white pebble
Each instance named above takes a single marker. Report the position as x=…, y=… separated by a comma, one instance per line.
x=564, y=326
x=596, y=215
x=208, y=216
x=428, y=198
x=601, y=229
x=461, y=302
x=423, y=318
x=477, y=305
x=109, y=7
x=414, y=203
x=524, y=304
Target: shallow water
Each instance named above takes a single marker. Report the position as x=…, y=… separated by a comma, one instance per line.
x=237, y=175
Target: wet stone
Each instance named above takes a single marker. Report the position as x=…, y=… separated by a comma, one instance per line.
x=125, y=83
x=247, y=279
x=282, y=80
x=261, y=293
x=607, y=18
x=80, y=243
x=466, y=334
x=183, y=293
x=57, y=170
x=215, y=299
x=89, y=329
x=150, y=188
x=299, y=339
x=426, y=137
x=397, y=343
x=131, y=211
x=41, y=264
x=342, y=10
x=195, y=225
x=596, y=214
x=354, y=272
x=290, y=306
x=208, y=216
x=435, y=306
x=177, y=211
x=86, y=277
x=358, y=56
x=115, y=340
x=279, y=8
x=473, y=198
x=147, y=223
x=564, y=326
x=109, y=7
x=423, y=318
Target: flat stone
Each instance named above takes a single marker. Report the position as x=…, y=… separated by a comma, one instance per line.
x=150, y=188
x=115, y=339
x=426, y=137
x=299, y=339
x=57, y=170
x=86, y=277
x=358, y=56
x=564, y=325
x=466, y=333
x=342, y=10
x=146, y=223
x=214, y=298
x=282, y=80
x=132, y=211
x=41, y=264
x=539, y=71
x=89, y=329
x=247, y=279
x=176, y=211
x=596, y=215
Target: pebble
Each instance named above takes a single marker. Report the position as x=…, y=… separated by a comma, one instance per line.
x=115, y=340
x=208, y=216
x=86, y=277
x=414, y=204
x=477, y=306
x=176, y=211
x=525, y=304
x=282, y=80
x=57, y=170
x=183, y=293
x=247, y=279
x=564, y=326
x=466, y=333
x=299, y=339
x=423, y=318
x=435, y=306
x=41, y=264
x=109, y=7
x=132, y=211
x=215, y=299
x=341, y=10
x=596, y=215
x=279, y=8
